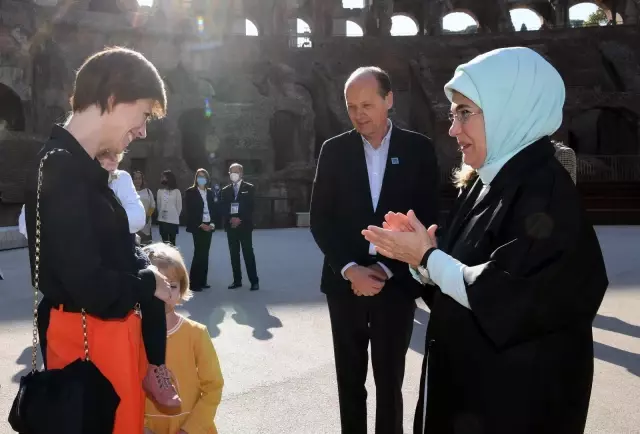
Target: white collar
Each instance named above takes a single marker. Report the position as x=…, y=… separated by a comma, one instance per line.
x=385, y=140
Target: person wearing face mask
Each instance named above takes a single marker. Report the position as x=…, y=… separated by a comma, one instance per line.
x=518, y=277
x=237, y=210
x=169, y=202
x=201, y=217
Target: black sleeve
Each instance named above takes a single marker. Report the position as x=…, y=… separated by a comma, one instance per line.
x=71, y=250
x=548, y=272
x=189, y=209
x=425, y=194
x=325, y=225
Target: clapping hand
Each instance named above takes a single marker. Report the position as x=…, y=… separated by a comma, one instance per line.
x=403, y=239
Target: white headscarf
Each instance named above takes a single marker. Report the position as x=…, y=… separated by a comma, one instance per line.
x=521, y=96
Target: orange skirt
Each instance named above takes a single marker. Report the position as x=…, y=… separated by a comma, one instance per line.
x=116, y=348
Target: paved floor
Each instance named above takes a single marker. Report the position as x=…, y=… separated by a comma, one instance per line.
x=275, y=344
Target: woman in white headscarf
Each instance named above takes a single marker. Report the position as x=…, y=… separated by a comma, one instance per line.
x=515, y=283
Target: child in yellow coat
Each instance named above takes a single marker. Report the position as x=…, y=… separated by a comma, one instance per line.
x=190, y=356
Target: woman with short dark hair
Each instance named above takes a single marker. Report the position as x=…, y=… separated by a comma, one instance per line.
x=169, y=202
x=86, y=264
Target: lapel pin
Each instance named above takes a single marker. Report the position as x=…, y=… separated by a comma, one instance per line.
x=395, y=160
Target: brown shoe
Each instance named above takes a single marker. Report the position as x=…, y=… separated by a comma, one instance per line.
x=157, y=383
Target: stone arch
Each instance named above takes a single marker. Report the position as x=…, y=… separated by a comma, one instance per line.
x=194, y=126
x=522, y=10
x=12, y=116
x=605, y=131
x=459, y=16
x=401, y=25
x=283, y=132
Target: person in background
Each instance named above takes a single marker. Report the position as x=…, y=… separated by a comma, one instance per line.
x=123, y=187
x=191, y=356
x=149, y=204
x=201, y=215
x=237, y=209
x=361, y=175
x=567, y=157
x=516, y=281
x=169, y=202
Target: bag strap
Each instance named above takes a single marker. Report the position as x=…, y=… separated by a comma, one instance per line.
x=36, y=277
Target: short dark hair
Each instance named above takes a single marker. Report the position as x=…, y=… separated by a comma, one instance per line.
x=195, y=177
x=119, y=72
x=381, y=76
x=172, y=184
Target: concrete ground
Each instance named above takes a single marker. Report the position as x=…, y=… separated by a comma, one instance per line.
x=275, y=345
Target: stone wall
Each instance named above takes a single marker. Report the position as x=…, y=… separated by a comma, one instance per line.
x=269, y=106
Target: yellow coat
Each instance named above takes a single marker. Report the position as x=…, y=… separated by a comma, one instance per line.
x=197, y=376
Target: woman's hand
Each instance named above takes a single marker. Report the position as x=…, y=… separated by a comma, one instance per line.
x=163, y=288
x=397, y=221
x=405, y=246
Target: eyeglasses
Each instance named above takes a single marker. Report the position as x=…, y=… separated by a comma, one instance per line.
x=462, y=116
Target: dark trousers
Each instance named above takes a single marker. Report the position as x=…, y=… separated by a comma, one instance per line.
x=168, y=232
x=237, y=238
x=200, y=263
x=385, y=320
x=154, y=329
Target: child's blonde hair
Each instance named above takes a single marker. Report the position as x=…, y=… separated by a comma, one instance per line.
x=165, y=256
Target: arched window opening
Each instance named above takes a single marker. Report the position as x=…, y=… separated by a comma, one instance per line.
x=589, y=14
x=402, y=25
x=303, y=32
x=459, y=22
x=524, y=19
x=353, y=29
x=353, y=4
x=250, y=28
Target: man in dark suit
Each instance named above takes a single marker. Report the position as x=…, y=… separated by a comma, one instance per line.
x=361, y=175
x=237, y=208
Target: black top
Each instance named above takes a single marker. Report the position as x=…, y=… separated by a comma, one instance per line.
x=88, y=259
x=521, y=359
x=195, y=208
x=341, y=203
x=245, y=199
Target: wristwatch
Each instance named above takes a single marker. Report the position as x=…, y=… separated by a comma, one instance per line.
x=422, y=268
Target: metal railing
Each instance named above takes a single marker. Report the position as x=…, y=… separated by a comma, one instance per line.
x=608, y=168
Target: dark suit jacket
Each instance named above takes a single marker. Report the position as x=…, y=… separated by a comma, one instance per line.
x=195, y=207
x=341, y=204
x=245, y=199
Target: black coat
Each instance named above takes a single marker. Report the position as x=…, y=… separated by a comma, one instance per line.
x=521, y=360
x=88, y=257
x=246, y=195
x=341, y=204
x=194, y=207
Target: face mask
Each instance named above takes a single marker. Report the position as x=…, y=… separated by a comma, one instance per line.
x=201, y=181
x=235, y=177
